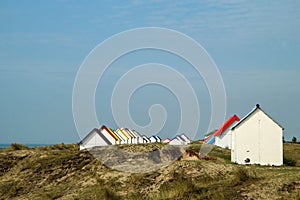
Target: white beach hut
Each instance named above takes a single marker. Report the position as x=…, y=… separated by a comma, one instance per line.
x=93, y=139
x=257, y=139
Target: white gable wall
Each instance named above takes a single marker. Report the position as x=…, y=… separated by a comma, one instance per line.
x=152, y=139
x=245, y=142
x=271, y=146
x=187, y=140
x=258, y=138
x=108, y=136
x=224, y=140
x=176, y=141
x=140, y=140
x=92, y=140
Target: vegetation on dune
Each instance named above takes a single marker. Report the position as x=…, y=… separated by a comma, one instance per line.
x=289, y=161
x=63, y=172
x=294, y=140
x=142, y=148
x=291, y=154
x=16, y=146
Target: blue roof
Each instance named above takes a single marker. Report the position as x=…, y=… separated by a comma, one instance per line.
x=211, y=140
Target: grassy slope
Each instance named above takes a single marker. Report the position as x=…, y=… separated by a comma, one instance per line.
x=63, y=172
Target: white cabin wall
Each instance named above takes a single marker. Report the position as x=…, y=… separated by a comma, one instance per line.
x=246, y=141
x=233, y=147
x=271, y=141
x=175, y=142
x=108, y=136
x=224, y=140
x=259, y=138
x=92, y=141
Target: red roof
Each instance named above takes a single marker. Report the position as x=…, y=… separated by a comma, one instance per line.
x=226, y=125
x=104, y=127
x=223, y=127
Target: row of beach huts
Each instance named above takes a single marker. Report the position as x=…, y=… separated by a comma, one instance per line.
x=106, y=136
x=253, y=139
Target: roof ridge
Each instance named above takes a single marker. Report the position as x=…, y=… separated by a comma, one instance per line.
x=257, y=107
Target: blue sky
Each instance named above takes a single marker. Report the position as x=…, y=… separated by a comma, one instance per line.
x=255, y=45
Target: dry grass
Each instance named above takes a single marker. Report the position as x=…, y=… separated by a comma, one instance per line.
x=63, y=172
x=14, y=147
x=292, y=152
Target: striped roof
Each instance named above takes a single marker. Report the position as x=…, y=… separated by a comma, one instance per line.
x=124, y=134
x=146, y=138
x=185, y=137
x=110, y=132
x=180, y=138
x=129, y=136
x=128, y=133
x=119, y=133
x=158, y=138
x=137, y=133
x=132, y=133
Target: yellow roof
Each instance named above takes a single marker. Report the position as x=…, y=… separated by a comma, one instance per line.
x=116, y=136
x=121, y=133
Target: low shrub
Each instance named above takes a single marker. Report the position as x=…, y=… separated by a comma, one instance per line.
x=16, y=146
x=289, y=161
x=242, y=175
x=98, y=192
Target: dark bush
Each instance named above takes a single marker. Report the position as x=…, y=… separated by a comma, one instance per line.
x=289, y=161
x=242, y=175
x=16, y=146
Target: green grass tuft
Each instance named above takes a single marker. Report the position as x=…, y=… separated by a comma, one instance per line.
x=16, y=146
